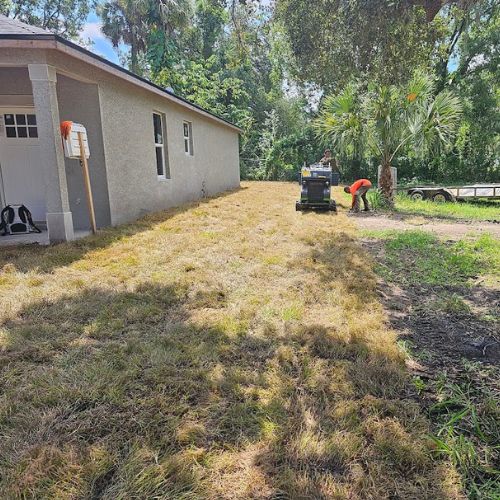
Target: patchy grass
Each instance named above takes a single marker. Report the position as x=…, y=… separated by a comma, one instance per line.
x=467, y=418
x=453, y=339
x=233, y=348
x=474, y=210
x=418, y=257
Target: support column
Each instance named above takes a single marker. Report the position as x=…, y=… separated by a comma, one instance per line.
x=59, y=218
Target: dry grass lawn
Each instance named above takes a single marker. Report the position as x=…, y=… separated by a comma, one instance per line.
x=233, y=348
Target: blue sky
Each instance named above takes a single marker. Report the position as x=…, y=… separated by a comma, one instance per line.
x=101, y=45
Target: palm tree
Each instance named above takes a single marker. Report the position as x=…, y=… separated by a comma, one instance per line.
x=386, y=120
x=131, y=22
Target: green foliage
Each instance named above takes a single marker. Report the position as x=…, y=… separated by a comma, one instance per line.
x=64, y=17
x=417, y=257
x=338, y=40
x=385, y=120
x=133, y=22
x=376, y=200
x=202, y=83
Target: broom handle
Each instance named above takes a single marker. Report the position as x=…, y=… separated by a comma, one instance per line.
x=86, y=180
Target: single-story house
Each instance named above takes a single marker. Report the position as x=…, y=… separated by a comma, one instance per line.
x=149, y=149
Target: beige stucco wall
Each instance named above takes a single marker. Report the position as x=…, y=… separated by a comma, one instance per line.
x=128, y=143
x=134, y=187
x=14, y=81
x=79, y=102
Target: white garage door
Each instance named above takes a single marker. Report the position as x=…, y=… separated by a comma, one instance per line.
x=20, y=167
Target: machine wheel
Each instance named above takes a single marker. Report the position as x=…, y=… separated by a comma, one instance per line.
x=417, y=195
x=441, y=197
x=298, y=207
x=333, y=206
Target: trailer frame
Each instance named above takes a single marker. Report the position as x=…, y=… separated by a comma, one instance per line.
x=454, y=193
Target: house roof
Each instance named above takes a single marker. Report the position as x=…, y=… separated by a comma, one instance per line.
x=12, y=29
x=10, y=26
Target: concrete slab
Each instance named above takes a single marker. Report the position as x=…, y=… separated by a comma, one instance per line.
x=34, y=238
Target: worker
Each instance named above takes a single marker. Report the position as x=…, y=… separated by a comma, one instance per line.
x=329, y=161
x=358, y=190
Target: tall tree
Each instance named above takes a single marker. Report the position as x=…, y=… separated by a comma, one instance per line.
x=337, y=40
x=64, y=17
x=132, y=22
x=388, y=119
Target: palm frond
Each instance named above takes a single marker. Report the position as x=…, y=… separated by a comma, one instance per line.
x=340, y=124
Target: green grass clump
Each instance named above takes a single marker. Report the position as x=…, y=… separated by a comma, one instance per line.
x=420, y=257
x=467, y=417
x=478, y=210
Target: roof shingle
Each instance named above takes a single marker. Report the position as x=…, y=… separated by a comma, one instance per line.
x=10, y=26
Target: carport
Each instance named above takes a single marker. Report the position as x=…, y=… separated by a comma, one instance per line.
x=33, y=171
x=34, y=98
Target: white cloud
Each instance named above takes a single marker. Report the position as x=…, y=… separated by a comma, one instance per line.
x=92, y=31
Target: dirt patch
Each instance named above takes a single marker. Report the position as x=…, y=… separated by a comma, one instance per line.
x=453, y=230
x=444, y=339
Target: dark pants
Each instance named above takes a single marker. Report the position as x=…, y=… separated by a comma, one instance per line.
x=361, y=193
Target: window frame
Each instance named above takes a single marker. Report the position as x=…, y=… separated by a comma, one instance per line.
x=188, y=139
x=24, y=126
x=162, y=146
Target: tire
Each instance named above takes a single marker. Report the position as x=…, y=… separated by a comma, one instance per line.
x=417, y=195
x=441, y=197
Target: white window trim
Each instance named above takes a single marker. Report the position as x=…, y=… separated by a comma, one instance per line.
x=161, y=177
x=17, y=126
x=188, y=138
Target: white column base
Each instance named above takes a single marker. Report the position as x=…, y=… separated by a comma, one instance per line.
x=60, y=227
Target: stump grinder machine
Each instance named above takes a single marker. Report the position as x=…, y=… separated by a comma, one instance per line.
x=316, y=181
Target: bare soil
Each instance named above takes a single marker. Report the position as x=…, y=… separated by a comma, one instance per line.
x=444, y=341
x=452, y=230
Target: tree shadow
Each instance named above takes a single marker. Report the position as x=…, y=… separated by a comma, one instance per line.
x=48, y=258
x=123, y=394
x=100, y=386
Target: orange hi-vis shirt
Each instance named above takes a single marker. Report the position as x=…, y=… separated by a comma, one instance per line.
x=358, y=184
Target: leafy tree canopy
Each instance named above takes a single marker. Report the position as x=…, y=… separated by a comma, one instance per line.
x=64, y=17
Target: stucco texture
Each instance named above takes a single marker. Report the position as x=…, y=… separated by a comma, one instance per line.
x=122, y=144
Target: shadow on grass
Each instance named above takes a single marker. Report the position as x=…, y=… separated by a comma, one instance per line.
x=47, y=258
x=111, y=394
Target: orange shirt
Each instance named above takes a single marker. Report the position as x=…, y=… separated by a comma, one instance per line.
x=358, y=184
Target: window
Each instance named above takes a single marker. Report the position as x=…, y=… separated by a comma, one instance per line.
x=160, y=147
x=188, y=138
x=20, y=126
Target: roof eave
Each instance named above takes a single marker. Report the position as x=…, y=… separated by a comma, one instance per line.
x=52, y=41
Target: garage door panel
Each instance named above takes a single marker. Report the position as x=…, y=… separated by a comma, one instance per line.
x=21, y=170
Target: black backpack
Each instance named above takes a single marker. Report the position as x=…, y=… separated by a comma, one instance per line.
x=8, y=224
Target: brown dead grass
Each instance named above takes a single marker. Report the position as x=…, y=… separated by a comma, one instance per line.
x=229, y=349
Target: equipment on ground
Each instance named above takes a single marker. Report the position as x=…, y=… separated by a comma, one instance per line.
x=316, y=181
x=17, y=219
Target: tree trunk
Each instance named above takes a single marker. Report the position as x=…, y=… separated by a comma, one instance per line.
x=134, y=61
x=386, y=183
